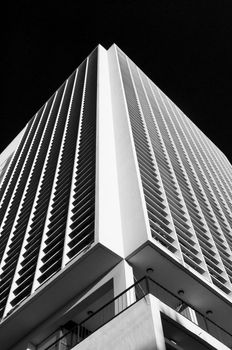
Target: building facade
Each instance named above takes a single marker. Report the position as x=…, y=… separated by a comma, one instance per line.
x=115, y=221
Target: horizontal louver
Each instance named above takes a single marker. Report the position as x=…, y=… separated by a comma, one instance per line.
x=194, y=179
x=57, y=149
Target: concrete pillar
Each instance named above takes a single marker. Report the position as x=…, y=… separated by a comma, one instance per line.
x=157, y=324
x=123, y=279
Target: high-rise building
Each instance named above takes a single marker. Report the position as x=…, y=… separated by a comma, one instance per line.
x=116, y=221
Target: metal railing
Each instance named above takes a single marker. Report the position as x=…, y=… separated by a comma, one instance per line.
x=184, y=308
x=126, y=299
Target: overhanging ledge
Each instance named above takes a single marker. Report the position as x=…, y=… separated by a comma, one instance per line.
x=173, y=276
x=58, y=291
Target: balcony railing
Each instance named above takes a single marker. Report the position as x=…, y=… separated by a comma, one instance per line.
x=129, y=297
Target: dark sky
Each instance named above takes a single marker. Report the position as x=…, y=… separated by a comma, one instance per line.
x=184, y=46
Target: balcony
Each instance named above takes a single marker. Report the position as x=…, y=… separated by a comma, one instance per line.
x=56, y=292
x=140, y=290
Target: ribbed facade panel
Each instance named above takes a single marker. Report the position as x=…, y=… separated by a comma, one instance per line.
x=82, y=204
x=58, y=149
x=178, y=163
x=49, y=185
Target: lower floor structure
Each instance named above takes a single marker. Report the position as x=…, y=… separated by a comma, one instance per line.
x=120, y=311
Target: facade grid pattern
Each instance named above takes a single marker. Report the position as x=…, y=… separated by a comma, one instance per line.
x=108, y=180
x=45, y=221
x=188, y=203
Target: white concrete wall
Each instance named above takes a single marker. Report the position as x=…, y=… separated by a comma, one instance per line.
x=108, y=221
x=140, y=328
x=135, y=226
x=133, y=329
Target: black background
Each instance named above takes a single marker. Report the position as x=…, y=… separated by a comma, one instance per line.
x=183, y=46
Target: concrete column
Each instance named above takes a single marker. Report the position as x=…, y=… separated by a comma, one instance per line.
x=123, y=279
x=157, y=324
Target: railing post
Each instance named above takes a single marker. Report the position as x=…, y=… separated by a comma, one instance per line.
x=132, y=294
x=206, y=325
x=147, y=285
